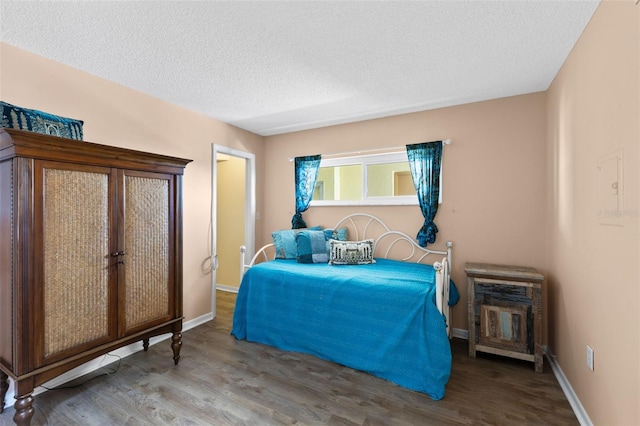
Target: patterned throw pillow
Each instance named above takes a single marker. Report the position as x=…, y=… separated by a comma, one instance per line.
x=312, y=247
x=351, y=252
x=285, y=242
x=16, y=117
x=336, y=234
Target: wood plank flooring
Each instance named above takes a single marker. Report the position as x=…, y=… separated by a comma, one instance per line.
x=222, y=381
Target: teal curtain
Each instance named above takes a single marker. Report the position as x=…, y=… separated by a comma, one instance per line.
x=306, y=174
x=424, y=161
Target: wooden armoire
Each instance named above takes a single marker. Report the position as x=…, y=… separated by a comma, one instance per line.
x=90, y=255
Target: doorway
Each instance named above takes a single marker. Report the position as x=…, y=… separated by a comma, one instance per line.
x=232, y=217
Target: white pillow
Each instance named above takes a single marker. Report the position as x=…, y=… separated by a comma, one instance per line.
x=351, y=252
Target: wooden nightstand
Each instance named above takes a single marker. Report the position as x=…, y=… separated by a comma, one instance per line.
x=505, y=311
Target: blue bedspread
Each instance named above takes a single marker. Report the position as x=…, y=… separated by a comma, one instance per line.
x=379, y=318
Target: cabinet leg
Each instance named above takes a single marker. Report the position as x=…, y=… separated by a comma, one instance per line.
x=4, y=387
x=145, y=344
x=24, y=410
x=472, y=338
x=539, y=358
x=176, y=345
x=471, y=314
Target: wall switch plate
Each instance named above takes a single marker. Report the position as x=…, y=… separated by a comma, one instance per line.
x=590, y=357
x=610, y=189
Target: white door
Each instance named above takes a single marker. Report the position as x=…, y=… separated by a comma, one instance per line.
x=232, y=216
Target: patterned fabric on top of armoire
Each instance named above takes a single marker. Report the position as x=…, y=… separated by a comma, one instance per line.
x=20, y=118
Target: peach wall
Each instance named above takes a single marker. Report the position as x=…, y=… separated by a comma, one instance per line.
x=493, y=185
x=593, y=110
x=119, y=116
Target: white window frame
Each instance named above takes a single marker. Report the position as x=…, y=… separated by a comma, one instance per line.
x=366, y=160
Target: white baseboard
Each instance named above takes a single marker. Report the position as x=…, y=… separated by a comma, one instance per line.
x=101, y=361
x=460, y=333
x=188, y=325
x=227, y=288
x=577, y=407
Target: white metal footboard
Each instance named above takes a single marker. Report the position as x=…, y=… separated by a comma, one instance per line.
x=443, y=279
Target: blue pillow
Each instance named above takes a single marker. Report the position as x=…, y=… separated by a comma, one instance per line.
x=340, y=234
x=312, y=247
x=285, y=242
x=15, y=117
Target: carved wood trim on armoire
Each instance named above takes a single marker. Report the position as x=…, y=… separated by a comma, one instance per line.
x=90, y=255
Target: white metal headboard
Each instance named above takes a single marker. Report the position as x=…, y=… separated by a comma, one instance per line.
x=366, y=226
x=363, y=226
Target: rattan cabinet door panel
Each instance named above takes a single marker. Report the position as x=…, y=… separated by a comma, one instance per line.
x=146, y=296
x=77, y=291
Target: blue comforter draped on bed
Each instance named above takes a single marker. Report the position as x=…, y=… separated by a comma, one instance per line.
x=379, y=318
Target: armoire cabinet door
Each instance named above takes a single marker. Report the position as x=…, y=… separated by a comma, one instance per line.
x=146, y=282
x=74, y=282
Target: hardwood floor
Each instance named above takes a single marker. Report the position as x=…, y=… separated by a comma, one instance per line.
x=222, y=381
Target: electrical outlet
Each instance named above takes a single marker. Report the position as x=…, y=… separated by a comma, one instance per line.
x=590, y=357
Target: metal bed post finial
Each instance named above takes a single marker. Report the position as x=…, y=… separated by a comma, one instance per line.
x=243, y=253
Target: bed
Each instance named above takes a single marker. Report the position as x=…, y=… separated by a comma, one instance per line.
x=389, y=318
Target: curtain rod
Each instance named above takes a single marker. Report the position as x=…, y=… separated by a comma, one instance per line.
x=445, y=142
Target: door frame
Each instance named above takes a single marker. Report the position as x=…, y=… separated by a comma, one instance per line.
x=249, y=213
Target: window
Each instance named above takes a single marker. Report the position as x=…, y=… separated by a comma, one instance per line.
x=380, y=179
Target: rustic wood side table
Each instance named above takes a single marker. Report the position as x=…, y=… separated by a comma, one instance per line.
x=505, y=311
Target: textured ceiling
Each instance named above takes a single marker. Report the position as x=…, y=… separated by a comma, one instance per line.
x=275, y=67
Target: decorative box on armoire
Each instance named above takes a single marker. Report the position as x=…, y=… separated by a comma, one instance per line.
x=505, y=311
x=90, y=255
